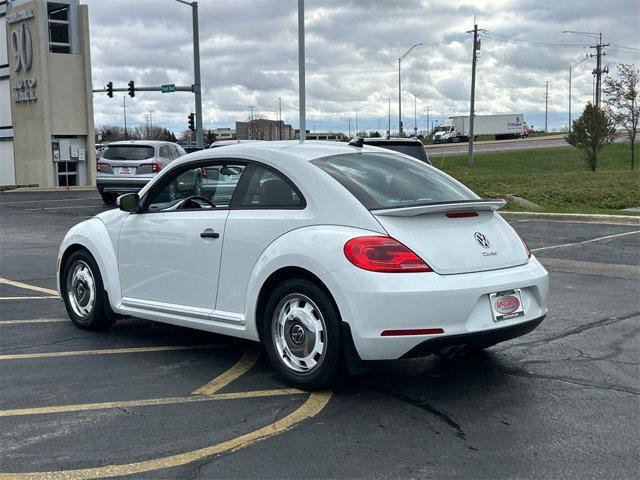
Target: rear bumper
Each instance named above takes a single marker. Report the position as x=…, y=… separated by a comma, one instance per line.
x=372, y=302
x=481, y=339
x=114, y=184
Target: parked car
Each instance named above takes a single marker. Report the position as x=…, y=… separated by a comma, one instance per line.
x=409, y=146
x=127, y=166
x=319, y=250
x=234, y=141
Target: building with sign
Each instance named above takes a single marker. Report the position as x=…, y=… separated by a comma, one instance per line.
x=46, y=99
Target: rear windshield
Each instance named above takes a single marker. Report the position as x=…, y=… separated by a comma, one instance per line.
x=415, y=151
x=128, y=152
x=380, y=180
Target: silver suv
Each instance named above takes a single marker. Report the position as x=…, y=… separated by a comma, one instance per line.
x=126, y=167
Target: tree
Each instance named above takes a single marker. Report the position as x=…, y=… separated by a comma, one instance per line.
x=592, y=131
x=621, y=99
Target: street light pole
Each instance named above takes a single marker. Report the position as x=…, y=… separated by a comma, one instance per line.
x=197, y=83
x=415, y=112
x=570, y=70
x=301, y=73
x=279, y=118
x=402, y=57
x=389, y=117
x=358, y=108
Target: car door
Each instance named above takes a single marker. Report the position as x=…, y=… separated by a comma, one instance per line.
x=267, y=205
x=169, y=254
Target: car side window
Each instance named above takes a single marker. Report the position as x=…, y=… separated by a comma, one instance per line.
x=215, y=183
x=268, y=189
x=164, y=152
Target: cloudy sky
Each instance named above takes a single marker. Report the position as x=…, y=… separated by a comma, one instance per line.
x=249, y=57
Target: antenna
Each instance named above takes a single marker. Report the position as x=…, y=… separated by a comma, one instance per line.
x=301, y=72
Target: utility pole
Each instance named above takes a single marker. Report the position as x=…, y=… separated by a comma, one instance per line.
x=599, y=70
x=476, y=47
x=389, y=117
x=279, y=118
x=124, y=108
x=301, y=72
x=402, y=57
x=251, y=107
x=546, y=105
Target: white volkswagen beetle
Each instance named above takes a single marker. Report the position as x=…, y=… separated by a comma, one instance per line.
x=318, y=250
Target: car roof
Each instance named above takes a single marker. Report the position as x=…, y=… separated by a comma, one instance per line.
x=144, y=143
x=308, y=150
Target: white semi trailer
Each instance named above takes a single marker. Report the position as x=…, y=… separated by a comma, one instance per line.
x=501, y=127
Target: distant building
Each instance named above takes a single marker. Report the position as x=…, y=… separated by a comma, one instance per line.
x=224, y=133
x=330, y=136
x=264, y=129
x=46, y=100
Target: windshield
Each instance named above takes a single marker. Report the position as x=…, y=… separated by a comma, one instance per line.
x=128, y=152
x=381, y=180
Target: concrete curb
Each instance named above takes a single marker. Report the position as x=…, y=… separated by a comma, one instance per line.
x=574, y=217
x=51, y=189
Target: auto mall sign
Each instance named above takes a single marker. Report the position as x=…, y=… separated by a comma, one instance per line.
x=22, y=49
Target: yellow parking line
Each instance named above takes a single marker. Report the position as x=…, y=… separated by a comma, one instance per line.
x=29, y=298
x=82, y=407
x=311, y=407
x=26, y=286
x=34, y=320
x=111, y=351
x=247, y=361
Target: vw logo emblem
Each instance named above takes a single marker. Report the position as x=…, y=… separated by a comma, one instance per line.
x=482, y=240
x=297, y=334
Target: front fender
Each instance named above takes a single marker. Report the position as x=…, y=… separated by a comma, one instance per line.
x=92, y=234
x=317, y=249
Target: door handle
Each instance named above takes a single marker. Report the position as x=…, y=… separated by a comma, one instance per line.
x=208, y=233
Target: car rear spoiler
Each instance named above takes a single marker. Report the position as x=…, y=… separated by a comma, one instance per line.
x=443, y=207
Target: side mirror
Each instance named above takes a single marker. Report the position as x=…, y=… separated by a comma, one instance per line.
x=128, y=202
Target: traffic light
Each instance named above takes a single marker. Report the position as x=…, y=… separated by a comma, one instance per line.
x=132, y=89
x=110, y=89
x=192, y=119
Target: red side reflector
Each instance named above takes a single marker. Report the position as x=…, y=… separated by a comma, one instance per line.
x=461, y=214
x=416, y=331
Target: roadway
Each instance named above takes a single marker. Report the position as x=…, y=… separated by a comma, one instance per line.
x=497, y=145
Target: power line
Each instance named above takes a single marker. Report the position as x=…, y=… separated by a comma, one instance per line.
x=507, y=39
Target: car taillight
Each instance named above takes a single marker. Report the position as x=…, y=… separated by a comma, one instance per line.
x=154, y=167
x=526, y=247
x=101, y=165
x=383, y=254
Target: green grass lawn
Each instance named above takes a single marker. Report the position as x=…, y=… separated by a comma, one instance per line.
x=557, y=179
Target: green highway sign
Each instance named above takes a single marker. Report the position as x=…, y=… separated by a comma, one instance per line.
x=168, y=88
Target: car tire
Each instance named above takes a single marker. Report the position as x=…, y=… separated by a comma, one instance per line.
x=301, y=334
x=83, y=293
x=109, y=198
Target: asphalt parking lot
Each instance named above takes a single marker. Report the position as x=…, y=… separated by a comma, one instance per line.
x=159, y=401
